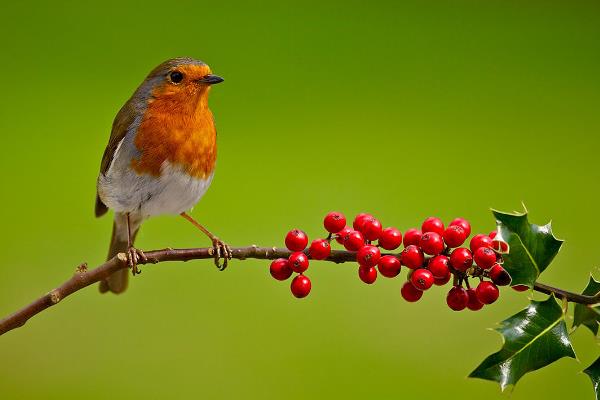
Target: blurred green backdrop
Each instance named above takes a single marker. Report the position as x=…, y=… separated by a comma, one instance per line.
x=402, y=109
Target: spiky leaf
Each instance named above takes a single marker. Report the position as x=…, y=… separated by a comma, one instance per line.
x=585, y=314
x=532, y=247
x=533, y=338
x=593, y=371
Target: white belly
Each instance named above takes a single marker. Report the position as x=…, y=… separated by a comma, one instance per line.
x=173, y=192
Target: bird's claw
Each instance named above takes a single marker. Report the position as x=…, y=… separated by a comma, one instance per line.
x=221, y=251
x=134, y=256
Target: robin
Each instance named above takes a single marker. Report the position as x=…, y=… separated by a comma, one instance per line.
x=160, y=158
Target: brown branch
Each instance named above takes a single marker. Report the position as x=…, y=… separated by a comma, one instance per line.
x=564, y=294
x=84, y=277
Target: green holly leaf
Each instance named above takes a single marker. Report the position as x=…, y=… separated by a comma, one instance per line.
x=588, y=315
x=533, y=338
x=532, y=247
x=593, y=371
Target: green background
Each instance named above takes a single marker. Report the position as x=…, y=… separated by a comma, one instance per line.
x=402, y=109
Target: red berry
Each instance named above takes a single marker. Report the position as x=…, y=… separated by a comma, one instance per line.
x=463, y=223
x=493, y=234
x=412, y=257
x=296, y=240
x=371, y=229
x=487, y=292
x=473, y=304
x=300, y=286
x=432, y=243
x=390, y=239
x=442, y=281
x=500, y=246
x=485, y=257
x=341, y=234
x=457, y=298
x=389, y=266
x=334, y=222
x=461, y=259
x=359, y=220
x=480, y=240
x=499, y=275
x=433, y=224
x=367, y=274
x=422, y=279
x=455, y=236
x=280, y=269
x=298, y=262
x=368, y=256
x=439, y=266
x=320, y=249
x=353, y=241
x=412, y=237
x=410, y=293
x=520, y=288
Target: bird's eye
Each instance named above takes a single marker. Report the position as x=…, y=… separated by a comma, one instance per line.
x=176, y=77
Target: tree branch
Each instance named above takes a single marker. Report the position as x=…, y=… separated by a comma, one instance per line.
x=564, y=294
x=84, y=277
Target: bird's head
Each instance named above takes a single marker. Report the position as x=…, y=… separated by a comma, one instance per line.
x=179, y=81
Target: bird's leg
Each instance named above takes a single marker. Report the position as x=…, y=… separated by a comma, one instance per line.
x=222, y=249
x=133, y=255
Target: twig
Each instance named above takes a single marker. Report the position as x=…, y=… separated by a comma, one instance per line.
x=84, y=277
x=564, y=294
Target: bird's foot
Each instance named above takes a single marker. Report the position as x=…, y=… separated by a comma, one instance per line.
x=134, y=256
x=221, y=251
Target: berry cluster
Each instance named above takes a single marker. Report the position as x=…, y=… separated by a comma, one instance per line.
x=433, y=255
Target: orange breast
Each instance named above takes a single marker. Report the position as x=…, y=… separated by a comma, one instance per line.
x=179, y=129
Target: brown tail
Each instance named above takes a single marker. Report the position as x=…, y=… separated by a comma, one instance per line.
x=117, y=282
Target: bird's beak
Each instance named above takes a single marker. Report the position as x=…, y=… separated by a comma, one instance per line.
x=211, y=79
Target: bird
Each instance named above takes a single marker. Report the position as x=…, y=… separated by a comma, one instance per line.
x=160, y=159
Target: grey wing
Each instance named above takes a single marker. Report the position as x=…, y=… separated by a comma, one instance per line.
x=121, y=124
